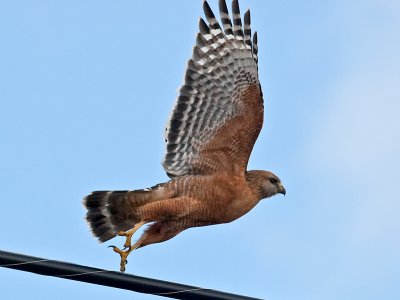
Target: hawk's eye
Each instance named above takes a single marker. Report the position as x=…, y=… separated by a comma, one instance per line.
x=273, y=180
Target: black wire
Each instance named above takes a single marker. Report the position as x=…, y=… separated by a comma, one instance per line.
x=110, y=278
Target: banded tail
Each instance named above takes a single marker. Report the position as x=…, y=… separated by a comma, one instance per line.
x=111, y=211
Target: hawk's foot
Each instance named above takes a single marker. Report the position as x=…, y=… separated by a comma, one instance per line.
x=124, y=254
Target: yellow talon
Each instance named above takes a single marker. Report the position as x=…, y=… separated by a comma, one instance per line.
x=124, y=255
x=127, y=245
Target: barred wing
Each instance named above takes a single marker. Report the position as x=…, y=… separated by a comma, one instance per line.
x=219, y=112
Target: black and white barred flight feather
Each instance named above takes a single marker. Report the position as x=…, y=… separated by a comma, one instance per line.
x=223, y=63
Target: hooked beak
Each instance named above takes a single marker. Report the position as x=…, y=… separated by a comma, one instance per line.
x=282, y=190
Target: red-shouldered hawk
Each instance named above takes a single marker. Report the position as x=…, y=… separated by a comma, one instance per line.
x=211, y=133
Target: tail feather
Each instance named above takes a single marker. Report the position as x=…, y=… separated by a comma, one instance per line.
x=111, y=211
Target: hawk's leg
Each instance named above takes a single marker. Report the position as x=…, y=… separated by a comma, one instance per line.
x=130, y=233
x=128, y=244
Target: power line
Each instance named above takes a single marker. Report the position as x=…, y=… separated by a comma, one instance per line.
x=110, y=278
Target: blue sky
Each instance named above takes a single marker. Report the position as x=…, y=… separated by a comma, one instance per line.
x=86, y=88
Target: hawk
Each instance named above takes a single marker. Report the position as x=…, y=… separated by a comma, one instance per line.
x=209, y=138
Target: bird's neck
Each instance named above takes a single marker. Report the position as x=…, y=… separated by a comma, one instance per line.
x=254, y=180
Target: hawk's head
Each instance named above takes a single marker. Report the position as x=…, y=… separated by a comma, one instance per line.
x=266, y=183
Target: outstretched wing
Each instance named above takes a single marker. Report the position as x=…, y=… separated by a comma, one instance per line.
x=219, y=112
